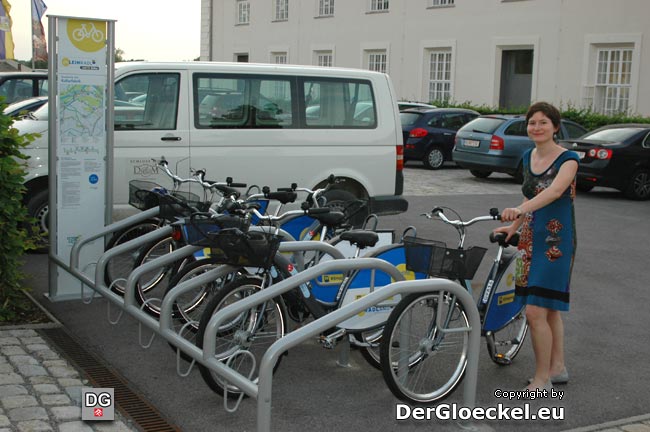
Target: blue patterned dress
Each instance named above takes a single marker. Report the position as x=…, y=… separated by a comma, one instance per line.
x=547, y=242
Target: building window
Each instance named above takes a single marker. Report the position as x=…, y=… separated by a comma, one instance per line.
x=243, y=12
x=377, y=61
x=611, y=93
x=436, y=3
x=324, y=58
x=325, y=7
x=440, y=75
x=279, y=57
x=281, y=10
x=378, y=5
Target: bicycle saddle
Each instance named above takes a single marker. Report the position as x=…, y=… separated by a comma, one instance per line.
x=361, y=238
x=501, y=239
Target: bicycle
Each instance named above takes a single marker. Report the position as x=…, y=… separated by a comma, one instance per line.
x=253, y=331
x=422, y=362
x=305, y=224
x=144, y=195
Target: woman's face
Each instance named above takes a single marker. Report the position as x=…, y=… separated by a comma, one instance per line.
x=540, y=128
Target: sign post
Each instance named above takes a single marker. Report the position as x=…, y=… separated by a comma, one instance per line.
x=80, y=141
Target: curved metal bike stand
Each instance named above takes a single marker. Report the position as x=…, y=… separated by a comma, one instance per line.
x=206, y=356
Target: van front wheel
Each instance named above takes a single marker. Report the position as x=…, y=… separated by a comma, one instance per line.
x=345, y=202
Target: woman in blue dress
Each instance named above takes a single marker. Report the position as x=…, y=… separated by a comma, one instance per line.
x=547, y=241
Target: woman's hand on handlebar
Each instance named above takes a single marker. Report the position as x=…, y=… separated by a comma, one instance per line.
x=511, y=214
x=509, y=230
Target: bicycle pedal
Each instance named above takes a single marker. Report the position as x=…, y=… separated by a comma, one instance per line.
x=326, y=342
x=502, y=360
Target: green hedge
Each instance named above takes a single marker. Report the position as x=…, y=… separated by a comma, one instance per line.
x=13, y=218
x=586, y=117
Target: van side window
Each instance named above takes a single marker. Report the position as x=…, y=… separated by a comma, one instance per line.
x=147, y=102
x=339, y=103
x=227, y=101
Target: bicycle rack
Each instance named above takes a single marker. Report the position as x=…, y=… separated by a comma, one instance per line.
x=262, y=391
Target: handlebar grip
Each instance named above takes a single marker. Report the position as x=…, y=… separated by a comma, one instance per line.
x=285, y=189
x=237, y=185
x=282, y=196
x=319, y=210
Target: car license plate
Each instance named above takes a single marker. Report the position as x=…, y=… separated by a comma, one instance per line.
x=471, y=143
x=580, y=154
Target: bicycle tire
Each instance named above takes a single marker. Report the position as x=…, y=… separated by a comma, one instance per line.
x=257, y=342
x=371, y=354
x=119, y=267
x=432, y=364
x=187, y=314
x=151, y=287
x=505, y=343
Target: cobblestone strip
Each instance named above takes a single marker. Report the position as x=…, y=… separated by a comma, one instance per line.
x=40, y=391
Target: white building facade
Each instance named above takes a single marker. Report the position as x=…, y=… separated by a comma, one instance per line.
x=584, y=53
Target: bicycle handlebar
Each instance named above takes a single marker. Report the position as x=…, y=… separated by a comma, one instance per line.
x=439, y=212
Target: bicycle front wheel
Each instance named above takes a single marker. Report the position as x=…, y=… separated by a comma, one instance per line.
x=422, y=363
x=253, y=330
x=119, y=267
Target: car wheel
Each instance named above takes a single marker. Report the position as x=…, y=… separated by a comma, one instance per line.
x=342, y=200
x=434, y=158
x=584, y=187
x=639, y=186
x=38, y=210
x=480, y=173
x=519, y=174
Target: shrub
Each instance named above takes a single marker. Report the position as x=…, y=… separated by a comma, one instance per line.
x=13, y=218
x=585, y=116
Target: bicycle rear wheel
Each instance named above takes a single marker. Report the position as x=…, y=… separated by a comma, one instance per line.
x=422, y=363
x=504, y=344
x=253, y=330
x=505, y=325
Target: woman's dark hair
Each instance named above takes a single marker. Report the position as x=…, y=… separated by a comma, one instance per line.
x=548, y=110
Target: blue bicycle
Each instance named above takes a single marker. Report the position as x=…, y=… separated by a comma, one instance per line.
x=423, y=362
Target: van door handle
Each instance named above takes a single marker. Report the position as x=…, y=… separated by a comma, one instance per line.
x=170, y=138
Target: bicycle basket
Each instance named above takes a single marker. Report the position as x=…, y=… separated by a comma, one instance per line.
x=248, y=249
x=199, y=229
x=179, y=204
x=435, y=259
x=142, y=195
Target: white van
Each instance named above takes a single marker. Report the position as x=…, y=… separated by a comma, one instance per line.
x=260, y=124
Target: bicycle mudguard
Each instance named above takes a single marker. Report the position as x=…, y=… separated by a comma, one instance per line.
x=300, y=226
x=502, y=304
x=360, y=284
x=325, y=287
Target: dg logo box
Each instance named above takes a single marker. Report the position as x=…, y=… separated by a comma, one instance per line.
x=97, y=403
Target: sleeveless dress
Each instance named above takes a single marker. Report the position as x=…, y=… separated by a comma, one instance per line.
x=547, y=242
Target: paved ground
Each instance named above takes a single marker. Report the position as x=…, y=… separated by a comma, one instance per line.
x=39, y=390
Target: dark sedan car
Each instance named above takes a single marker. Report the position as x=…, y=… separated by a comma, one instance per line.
x=616, y=156
x=429, y=133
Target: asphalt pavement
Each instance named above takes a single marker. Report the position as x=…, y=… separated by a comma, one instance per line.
x=607, y=334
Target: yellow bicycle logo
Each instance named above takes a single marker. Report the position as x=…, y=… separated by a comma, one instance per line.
x=86, y=36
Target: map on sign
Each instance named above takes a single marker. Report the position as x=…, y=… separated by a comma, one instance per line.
x=82, y=115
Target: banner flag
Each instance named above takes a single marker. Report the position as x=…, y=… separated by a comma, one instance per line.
x=6, y=38
x=39, y=46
